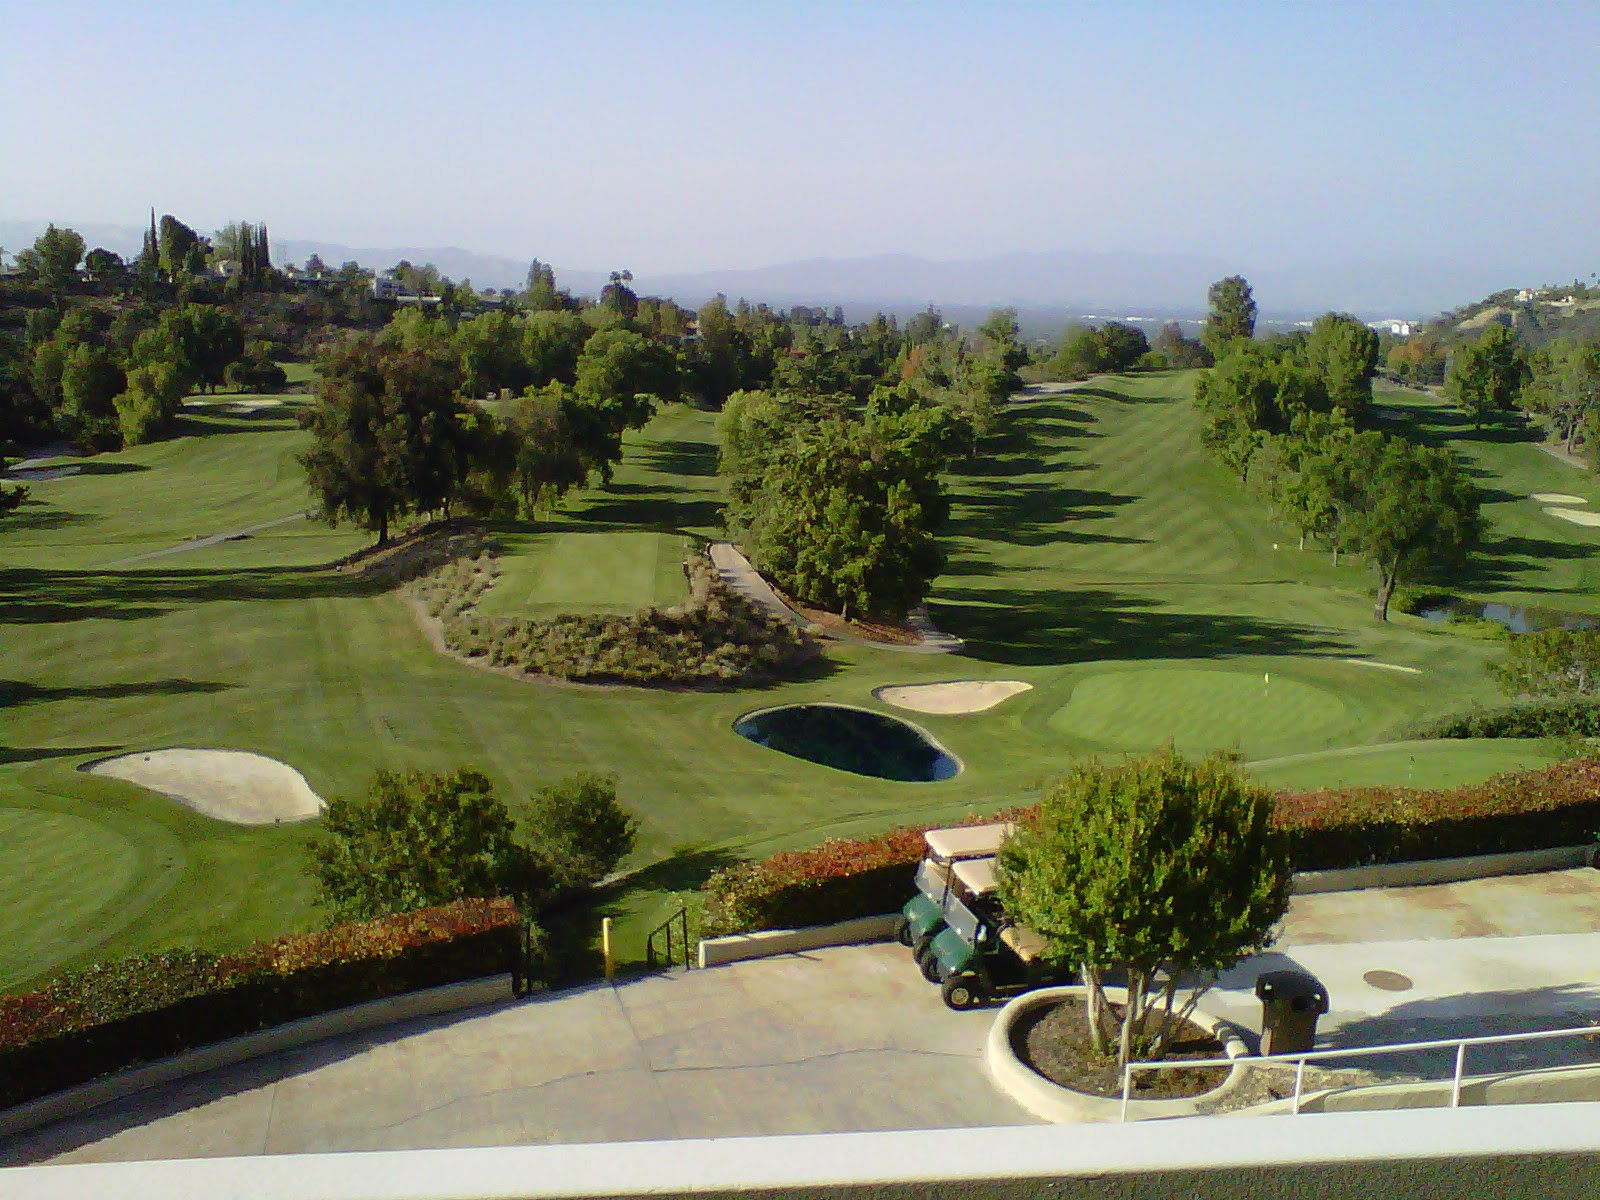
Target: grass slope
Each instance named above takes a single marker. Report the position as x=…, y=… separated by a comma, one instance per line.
x=1096, y=553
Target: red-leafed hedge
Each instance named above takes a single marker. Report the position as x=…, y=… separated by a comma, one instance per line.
x=112, y=1015
x=1343, y=827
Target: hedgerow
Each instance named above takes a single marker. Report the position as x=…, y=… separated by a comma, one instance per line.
x=718, y=639
x=1335, y=827
x=1533, y=719
x=111, y=1015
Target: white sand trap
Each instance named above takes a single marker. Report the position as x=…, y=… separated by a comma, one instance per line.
x=254, y=404
x=230, y=785
x=1368, y=662
x=1557, y=498
x=961, y=696
x=1576, y=515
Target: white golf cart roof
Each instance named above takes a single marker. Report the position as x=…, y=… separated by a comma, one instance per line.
x=967, y=841
x=975, y=874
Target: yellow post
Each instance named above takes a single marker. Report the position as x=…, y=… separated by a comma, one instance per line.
x=605, y=942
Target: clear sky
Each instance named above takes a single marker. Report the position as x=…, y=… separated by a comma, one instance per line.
x=688, y=136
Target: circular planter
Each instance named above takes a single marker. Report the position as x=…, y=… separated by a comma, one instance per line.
x=1052, y=1102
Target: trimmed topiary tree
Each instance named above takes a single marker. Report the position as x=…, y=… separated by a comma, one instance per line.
x=1160, y=868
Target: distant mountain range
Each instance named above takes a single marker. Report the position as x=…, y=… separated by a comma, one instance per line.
x=1049, y=286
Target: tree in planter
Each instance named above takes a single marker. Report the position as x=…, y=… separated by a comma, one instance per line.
x=1165, y=869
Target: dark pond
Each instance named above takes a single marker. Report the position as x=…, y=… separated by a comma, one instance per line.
x=1517, y=618
x=849, y=739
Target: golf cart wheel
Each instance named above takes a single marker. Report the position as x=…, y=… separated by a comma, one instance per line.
x=962, y=992
x=930, y=967
x=902, y=931
x=921, y=947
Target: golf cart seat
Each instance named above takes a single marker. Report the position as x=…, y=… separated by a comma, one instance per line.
x=967, y=841
x=1023, y=942
x=976, y=875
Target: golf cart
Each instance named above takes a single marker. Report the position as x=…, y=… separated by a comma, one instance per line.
x=981, y=954
x=923, y=915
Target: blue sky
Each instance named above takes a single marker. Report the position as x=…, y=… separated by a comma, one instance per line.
x=678, y=137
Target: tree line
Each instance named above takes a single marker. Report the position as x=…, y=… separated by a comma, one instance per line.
x=1290, y=416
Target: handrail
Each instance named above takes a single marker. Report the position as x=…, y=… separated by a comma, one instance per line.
x=681, y=920
x=1459, y=1045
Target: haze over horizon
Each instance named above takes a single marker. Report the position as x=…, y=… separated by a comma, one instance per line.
x=692, y=139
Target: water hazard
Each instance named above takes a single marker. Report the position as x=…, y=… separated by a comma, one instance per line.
x=850, y=739
x=1517, y=618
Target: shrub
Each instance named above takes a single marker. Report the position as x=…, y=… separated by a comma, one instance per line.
x=1347, y=827
x=718, y=639
x=581, y=829
x=417, y=839
x=112, y=1015
x=1538, y=719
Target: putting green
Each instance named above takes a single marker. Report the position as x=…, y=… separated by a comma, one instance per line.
x=610, y=571
x=1198, y=708
x=74, y=869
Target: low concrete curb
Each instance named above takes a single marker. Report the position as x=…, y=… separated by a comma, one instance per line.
x=1052, y=1102
x=1554, y=1085
x=740, y=946
x=1443, y=870
x=473, y=993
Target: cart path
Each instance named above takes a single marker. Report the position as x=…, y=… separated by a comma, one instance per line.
x=737, y=572
x=201, y=543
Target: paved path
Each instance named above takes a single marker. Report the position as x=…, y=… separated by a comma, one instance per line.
x=738, y=574
x=831, y=1040
x=828, y=1041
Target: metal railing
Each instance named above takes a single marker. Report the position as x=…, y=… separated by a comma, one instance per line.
x=1459, y=1045
x=679, y=921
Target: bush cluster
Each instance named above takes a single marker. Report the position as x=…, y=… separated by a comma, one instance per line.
x=1536, y=719
x=112, y=1015
x=718, y=639
x=1331, y=828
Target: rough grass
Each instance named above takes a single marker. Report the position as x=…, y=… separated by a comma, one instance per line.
x=1094, y=539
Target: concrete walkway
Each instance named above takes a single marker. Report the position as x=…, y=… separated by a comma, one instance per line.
x=834, y=1040
x=829, y=1041
x=738, y=574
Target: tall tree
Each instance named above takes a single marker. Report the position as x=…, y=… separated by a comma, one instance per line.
x=1405, y=506
x=53, y=258
x=1232, y=314
x=1565, y=386
x=387, y=435
x=1344, y=352
x=1485, y=376
x=179, y=248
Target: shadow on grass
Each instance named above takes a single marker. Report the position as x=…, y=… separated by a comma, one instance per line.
x=679, y=457
x=39, y=515
x=24, y=754
x=1027, y=628
x=15, y=692
x=1501, y=563
x=32, y=597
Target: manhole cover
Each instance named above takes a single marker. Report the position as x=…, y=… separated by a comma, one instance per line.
x=1388, y=981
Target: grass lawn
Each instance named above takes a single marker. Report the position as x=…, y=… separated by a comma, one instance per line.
x=1096, y=553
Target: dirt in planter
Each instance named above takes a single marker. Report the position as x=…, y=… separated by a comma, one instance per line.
x=1054, y=1041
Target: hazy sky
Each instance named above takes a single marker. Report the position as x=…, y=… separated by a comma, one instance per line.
x=678, y=136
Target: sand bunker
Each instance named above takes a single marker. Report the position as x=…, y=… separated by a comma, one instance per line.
x=1576, y=515
x=230, y=785
x=961, y=696
x=1557, y=498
